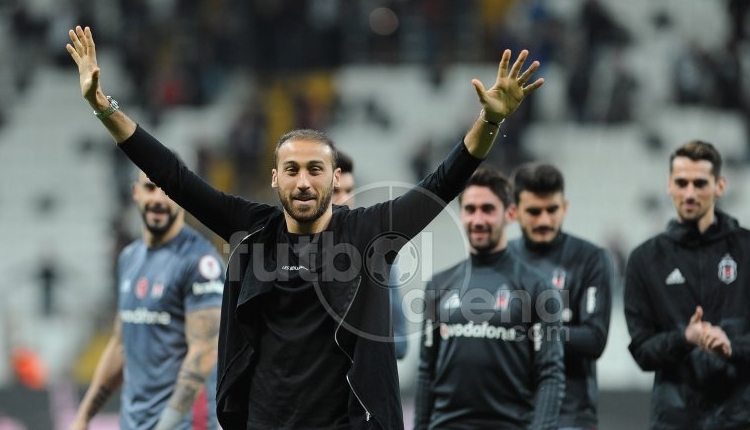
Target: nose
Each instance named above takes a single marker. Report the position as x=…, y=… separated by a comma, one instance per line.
x=303, y=181
x=477, y=219
x=690, y=190
x=544, y=218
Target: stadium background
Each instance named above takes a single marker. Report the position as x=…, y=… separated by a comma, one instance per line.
x=220, y=80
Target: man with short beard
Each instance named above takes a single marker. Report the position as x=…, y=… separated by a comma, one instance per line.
x=163, y=347
x=687, y=292
x=582, y=271
x=491, y=356
x=303, y=342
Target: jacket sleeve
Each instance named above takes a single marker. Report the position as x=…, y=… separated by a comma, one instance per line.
x=740, y=346
x=410, y=213
x=652, y=349
x=430, y=345
x=549, y=366
x=225, y=215
x=594, y=307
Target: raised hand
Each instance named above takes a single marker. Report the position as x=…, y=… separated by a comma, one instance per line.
x=83, y=52
x=510, y=88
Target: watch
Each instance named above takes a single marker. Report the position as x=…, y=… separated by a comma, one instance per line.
x=106, y=113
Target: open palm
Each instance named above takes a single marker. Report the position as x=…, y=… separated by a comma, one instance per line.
x=510, y=88
x=83, y=52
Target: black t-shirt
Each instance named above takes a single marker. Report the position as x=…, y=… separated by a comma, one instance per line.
x=299, y=380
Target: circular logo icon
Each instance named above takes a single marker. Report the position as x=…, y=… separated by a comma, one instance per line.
x=394, y=254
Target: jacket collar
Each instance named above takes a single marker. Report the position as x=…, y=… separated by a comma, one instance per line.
x=688, y=234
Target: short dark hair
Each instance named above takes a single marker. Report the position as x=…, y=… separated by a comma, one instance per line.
x=537, y=178
x=305, y=134
x=698, y=150
x=493, y=179
x=345, y=162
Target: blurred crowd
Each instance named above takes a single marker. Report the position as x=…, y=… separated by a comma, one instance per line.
x=182, y=52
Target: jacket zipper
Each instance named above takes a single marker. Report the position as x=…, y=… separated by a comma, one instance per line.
x=231, y=254
x=368, y=415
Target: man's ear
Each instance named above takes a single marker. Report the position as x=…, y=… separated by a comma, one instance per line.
x=274, y=179
x=511, y=214
x=337, y=178
x=721, y=185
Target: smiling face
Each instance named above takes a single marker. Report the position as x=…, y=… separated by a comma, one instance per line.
x=162, y=217
x=540, y=216
x=484, y=217
x=304, y=179
x=694, y=190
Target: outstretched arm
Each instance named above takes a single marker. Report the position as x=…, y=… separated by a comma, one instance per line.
x=107, y=379
x=202, y=333
x=500, y=101
x=83, y=52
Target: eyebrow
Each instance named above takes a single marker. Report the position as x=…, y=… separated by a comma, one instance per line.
x=309, y=163
x=698, y=181
x=549, y=208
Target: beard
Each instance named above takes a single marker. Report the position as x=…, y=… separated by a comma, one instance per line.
x=484, y=246
x=288, y=205
x=534, y=244
x=159, y=229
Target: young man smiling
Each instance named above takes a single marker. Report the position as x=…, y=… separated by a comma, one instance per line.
x=303, y=343
x=491, y=356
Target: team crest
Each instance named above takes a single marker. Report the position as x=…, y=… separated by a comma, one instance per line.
x=141, y=288
x=502, y=298
x=558, y=278
x=727, y=269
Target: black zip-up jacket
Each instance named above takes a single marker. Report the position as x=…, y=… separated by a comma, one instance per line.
x=358, y=303
x=584, y=274
x=666, y=278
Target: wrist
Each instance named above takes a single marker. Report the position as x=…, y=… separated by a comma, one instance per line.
x=170, y=418
x=488, y=119
x=111, y=107
x=99, y=101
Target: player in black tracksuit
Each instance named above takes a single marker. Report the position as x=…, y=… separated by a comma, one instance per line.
x=582, y=271
x=491, y=354
x=687, y=292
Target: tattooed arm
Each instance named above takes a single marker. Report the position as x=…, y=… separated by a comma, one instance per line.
x=107, y=379
x=202, y=333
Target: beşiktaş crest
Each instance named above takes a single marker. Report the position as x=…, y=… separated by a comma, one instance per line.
x=502, y=298
x=558, y=278
x=727, y=269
